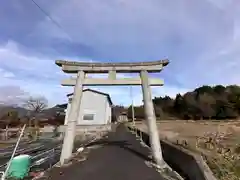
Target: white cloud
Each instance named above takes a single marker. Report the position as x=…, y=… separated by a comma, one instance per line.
x=11, y=95
x=6, y=74
x=44, y=69
x=32, y=74
x=171, y=91
x=200, y=32
x=222, y=4
x=201, y=38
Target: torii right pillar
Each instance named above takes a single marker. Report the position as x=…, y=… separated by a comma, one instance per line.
x=151, y=120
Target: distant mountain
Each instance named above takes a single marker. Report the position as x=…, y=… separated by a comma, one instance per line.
x=46, y=113
x=51, y=112
x=21, y=111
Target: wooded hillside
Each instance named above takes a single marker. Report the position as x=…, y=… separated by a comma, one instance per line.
x=206, y=102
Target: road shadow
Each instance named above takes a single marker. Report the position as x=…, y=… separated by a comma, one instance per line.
x=121, y=144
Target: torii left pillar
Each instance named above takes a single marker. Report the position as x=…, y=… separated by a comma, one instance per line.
x=72, y=119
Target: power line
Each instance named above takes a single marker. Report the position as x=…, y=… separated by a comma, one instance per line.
x=51, y=19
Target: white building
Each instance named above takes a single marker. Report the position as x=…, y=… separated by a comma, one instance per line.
x=95, y=108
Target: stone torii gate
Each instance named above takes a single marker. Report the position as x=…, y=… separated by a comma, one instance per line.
x=83, y=68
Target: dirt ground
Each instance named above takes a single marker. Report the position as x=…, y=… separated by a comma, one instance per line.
x=219, y=141
x=193, y=130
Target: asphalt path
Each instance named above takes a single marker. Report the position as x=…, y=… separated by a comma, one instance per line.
x=119, y=157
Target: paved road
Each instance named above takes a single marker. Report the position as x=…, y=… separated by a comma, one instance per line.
x=120, y=158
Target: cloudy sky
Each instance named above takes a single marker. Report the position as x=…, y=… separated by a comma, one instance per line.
x=200, y=38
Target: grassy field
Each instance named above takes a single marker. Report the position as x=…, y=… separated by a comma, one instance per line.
x=218, y=141
x=2, y=145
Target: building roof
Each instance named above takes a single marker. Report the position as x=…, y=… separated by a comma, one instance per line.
x=97, y=92
x=62, y=105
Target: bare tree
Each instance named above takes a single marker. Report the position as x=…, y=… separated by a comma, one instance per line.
x=36, y=105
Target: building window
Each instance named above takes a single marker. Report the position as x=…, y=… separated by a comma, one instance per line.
x=88, y=117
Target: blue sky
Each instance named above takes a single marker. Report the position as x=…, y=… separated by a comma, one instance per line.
x=200, y=38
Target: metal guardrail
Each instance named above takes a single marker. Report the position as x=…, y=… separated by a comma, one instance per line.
x=42, y=154
x=9, y=149
x=45, y=153
x=46, y=158
x=24, y=150
x=3, y=165
x=40, y=158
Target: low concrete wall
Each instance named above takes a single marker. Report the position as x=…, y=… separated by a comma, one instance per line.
x=47, y=129
x=187, y=164
x=82, y=131
x=79, y=128
x=89, y=128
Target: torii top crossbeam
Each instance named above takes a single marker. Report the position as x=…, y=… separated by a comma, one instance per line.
x=124, y=67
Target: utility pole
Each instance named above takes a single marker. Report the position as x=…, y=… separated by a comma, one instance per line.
x=133, y=113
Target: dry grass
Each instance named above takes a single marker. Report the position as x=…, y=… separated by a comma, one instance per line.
x=218, y=141
x=3, y=145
